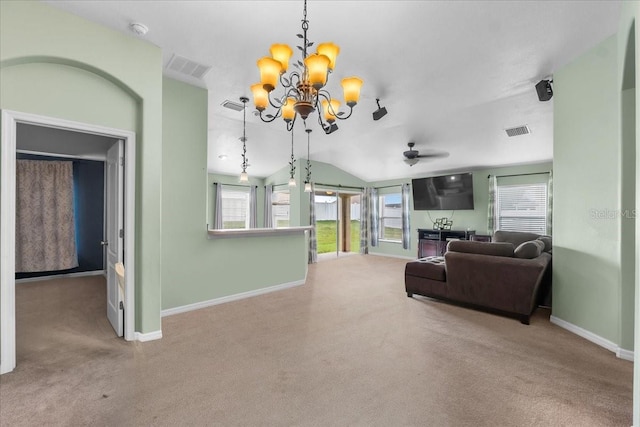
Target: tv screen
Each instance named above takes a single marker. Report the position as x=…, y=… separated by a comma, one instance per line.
x=448, y=192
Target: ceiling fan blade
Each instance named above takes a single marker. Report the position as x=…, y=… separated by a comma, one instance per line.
x=434, y=155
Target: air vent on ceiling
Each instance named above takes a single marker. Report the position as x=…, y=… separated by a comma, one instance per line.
x=232, y=105
x=519, y=130
x=183, y=65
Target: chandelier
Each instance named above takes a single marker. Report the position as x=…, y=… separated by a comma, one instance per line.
x=303, y=91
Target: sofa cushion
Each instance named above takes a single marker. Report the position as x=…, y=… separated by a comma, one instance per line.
x=430, y=268
x=547, y=243
x=529, y=250
x=481, y=248
x=516, y=238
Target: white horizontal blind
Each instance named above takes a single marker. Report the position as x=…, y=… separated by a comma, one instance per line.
x=235, y=208
x=522, y=208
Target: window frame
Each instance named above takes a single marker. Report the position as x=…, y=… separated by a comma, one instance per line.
x=274, y=220
x=245, y=191
x=537, y=222
x=381, y=218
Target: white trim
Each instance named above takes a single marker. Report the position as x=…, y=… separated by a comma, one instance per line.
x=94, y=158
x=7, y=221
x=392, y=256
x=7, y=244
x=590, y=336
x=61, y=276
x=229, y=298
x=149, y=336
x=625, y=354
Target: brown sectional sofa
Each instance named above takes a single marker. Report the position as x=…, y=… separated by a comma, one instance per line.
x=509, y=276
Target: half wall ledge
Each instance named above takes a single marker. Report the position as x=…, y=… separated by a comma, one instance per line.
x=256, y=232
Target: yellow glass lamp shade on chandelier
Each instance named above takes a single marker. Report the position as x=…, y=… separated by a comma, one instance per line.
x=303, y=88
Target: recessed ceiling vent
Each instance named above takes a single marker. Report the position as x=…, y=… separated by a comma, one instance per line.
x=232, y=105
x=519, y=130
x=182, y=65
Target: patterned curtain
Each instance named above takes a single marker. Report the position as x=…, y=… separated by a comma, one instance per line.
x=493, y=189
x=374, y=217
x=313, y=243
x=268, y=207
x=550, y=204
x=45, y=223
x=364, y=221
x=217, y=219
x=253, y=206
x=406, y=226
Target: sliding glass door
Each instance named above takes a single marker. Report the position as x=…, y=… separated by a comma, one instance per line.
x=337, y=222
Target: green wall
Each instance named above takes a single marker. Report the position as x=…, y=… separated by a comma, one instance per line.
x=55, y=64
x=475, y=219
x=195, y=268
x=586, y=253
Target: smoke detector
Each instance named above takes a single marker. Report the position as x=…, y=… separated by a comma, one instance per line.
x=139, y=28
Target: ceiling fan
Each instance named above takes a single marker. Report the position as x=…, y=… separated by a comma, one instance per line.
x=411, y=156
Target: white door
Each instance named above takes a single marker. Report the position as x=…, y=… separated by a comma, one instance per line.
x=114, y=237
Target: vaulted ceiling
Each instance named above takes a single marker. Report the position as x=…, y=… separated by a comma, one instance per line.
x=453, y=75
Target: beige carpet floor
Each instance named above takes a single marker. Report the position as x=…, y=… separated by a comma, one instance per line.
x=348, y=348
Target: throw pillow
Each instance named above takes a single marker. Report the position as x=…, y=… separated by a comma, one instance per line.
x=529, y=250
x=547, y=243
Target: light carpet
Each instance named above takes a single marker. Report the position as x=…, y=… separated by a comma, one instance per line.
x=348, y=348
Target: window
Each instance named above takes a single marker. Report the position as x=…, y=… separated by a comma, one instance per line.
x=390, y=211
x=235, y=207
x=522, y=208
x=280, y=208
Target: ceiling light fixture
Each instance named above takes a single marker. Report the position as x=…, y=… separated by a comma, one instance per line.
x=303, y=88
x=380, y=112
x=244, y=177
x=307, y=181
x=292, y=170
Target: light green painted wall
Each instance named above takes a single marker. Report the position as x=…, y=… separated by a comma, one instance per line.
x=586, y=252
x=194, y=268
x=475, y=219
x=56, y=64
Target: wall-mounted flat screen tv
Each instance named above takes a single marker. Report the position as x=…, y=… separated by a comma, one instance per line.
x=448, y=192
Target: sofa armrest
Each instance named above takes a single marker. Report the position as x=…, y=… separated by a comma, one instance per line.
x=502, y=283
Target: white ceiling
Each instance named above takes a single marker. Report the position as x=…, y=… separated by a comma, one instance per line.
x=452, y=74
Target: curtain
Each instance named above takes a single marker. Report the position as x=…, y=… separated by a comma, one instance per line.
x=253, y=206
x=550, y=204
x=217, y=220
x=493, y=189
x=313, y=243
x=45, y=224
x=268, y=207
x=374, y=216
x=406, y=226
x=364, y=221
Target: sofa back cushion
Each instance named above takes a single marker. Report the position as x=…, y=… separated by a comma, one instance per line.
x=547, y=243
x=516, y=238
x=481, y=248
x=529, y=250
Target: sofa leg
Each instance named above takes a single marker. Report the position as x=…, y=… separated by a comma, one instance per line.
x=409, y=295
x=524, y=320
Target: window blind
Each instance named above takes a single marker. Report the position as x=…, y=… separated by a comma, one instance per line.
x=522, y=208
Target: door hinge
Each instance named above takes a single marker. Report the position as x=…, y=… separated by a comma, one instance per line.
x=121, y=305
x=121, y=233
x=121, y=161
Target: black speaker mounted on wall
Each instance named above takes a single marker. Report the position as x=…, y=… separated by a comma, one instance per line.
x=544, y=89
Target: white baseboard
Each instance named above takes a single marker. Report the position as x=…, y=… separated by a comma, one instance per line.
x=393, y=256
x=60, y=276
x=149, y=336
x=625, y=354
x=596, y=339
x=229, y=298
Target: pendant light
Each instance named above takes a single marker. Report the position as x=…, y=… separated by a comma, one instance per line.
x=292, y=170
x=307, y=181
x=244, y=177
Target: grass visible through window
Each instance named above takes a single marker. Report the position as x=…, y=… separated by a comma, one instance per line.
x=326, y=236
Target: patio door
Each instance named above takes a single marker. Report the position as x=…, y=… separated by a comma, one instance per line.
x=337, y=222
